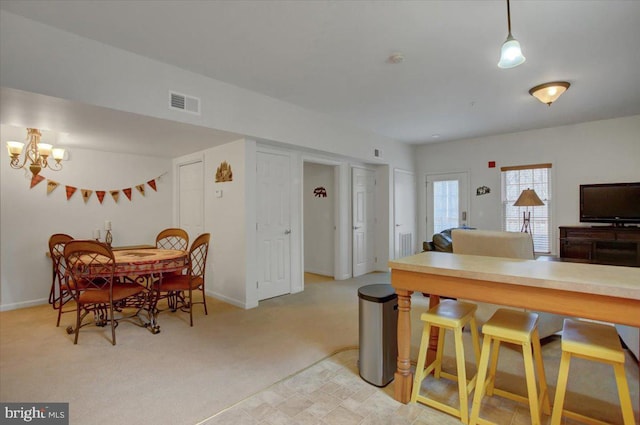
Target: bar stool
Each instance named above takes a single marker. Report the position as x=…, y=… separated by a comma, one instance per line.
x=516, y=327
x=447, y=315
x=597, y=342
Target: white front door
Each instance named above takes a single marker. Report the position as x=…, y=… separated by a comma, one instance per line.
x=273, y=225
x=404, y=212
x=191, y=199
x=447, y=200
x=363, y=182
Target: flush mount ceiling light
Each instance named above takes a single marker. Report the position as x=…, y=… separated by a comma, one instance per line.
x=511, y=54
x=549, y=92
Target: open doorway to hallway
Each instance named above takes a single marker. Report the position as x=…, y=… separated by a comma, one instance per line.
x=319, y=210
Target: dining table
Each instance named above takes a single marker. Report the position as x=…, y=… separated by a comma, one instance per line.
x=146, y=265
x=590, y=291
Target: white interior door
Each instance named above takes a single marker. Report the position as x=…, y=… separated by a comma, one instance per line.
x=363, y=182
x=447, y=201
x=404, y=212
x=191, y=199
x=273, y=225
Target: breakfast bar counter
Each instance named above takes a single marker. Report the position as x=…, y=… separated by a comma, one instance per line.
x=591, y=291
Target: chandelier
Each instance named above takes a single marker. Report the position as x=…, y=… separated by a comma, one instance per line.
x=36, y=155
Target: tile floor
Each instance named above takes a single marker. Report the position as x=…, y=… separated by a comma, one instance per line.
x=332, y=393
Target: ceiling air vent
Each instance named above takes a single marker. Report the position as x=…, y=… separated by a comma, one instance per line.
x=184, y=103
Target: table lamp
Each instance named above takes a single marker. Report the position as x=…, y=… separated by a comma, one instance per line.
x=528, y=198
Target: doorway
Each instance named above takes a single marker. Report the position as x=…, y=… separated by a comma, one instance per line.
x=319, y=205
x=273, y=224
x=404, y=212
x=363, y=220
x=191, y=198
x=447, y=201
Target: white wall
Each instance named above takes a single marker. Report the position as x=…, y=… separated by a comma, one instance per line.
x=84, y=70
x=29, y=216
x=90, y=72
x=593, y=152
x=319, y=213
x=229, y=265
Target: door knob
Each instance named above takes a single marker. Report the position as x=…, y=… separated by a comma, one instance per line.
x=286, y=232
x=356, y=227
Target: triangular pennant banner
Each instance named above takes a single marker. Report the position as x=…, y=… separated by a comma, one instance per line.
x=115, y=194
x=100, y=194
x=51, y=186
x=152, y=183
x=70, y=191
x=35, y=180
x=140, y=188
x=86, y=194
x=127, y=192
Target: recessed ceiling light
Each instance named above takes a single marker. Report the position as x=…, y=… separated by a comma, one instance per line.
x=435, y=136
x=396, y=58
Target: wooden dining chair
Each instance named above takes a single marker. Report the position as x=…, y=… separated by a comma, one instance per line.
x=173, y=238
x=59, y=294
x=93, y=285
x=179, y=288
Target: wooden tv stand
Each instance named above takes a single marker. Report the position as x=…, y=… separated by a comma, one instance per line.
x=619, y=246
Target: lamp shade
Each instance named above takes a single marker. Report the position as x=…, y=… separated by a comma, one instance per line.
x=549, y=92
x=511, y=54
x=528, y=198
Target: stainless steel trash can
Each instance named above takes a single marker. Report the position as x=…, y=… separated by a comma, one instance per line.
x=378, y=330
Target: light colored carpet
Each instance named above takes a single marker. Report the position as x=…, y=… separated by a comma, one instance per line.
x=185, y=375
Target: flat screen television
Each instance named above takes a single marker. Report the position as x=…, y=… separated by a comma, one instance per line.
x=616, y=203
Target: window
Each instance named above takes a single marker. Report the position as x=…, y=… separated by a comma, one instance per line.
x=445, y=201
x=514, y=181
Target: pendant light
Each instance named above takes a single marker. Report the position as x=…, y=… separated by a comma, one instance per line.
x=511, y=54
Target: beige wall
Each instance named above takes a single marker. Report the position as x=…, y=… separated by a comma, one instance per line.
x=592, y=152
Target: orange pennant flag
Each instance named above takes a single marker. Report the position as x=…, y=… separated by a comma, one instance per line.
x=100, y=194
x=51, y=186
x=152, y=183
x=127, y=192
x=70, y=191
x=35, y=180
x=140, y=188
x=86, y=194
x=115, y=194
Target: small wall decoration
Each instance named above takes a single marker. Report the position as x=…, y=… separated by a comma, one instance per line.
x=86, y=194
x=224, y=173
x=51, y=186
x=482, y=190
x=35, y=180
x=100, y=194
x=320, y=192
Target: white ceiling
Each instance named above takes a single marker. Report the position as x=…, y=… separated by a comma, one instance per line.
x=331, y=56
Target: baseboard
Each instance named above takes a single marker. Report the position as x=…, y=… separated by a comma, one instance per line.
x=318, y=271
x=25, y=304
x=232, y=301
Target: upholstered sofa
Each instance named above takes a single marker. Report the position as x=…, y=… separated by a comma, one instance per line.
x=441, y=241
x=501, y=244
